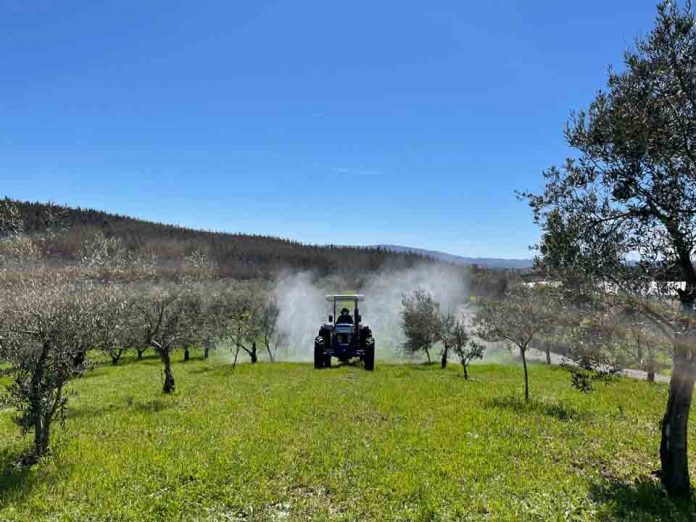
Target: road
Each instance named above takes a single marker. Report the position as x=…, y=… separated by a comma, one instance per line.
x=536, y=355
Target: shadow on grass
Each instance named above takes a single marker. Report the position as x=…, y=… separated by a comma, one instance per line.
x=88, y=411
x=644, y=499
x=557, y=410
x=150, y=406
x=204, y=369
x=94, y=366
x=425, y=366
x=16, y=478
x=124, y=361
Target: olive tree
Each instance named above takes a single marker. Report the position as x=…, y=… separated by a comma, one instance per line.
x=105, y=258
x=455, y=337
x=648, y=347
x=515, y=319
x=47, y=324
x=212, y=318
x=421, y=323
x=115, y=322
x=242, y=326
x=47, y=320
x=598, y=343
x=169, y=319
x=271, y=336
x=623, y=209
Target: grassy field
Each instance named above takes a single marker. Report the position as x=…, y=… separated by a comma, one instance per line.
x=286, y=442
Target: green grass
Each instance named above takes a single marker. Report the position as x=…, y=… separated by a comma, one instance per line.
x=287, y=442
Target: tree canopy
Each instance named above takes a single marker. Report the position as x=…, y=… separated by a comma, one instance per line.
x=621, y=213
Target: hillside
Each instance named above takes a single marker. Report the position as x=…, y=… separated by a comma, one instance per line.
x=237, y=255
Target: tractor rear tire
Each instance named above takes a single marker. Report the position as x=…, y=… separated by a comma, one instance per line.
x=318, y=356
x=370, y=356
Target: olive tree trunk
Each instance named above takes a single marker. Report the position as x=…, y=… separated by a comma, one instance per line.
x=168, y=375
x=526, y=375
x=651, y=373
x=443, y=361
x=270, y=352
x=42, y=435
x=115, y=357
x=37, y=405
x=673, y=446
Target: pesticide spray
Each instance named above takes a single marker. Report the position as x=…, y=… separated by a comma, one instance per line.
x=303, y=308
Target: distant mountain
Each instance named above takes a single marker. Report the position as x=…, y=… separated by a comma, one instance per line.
x=487, y=262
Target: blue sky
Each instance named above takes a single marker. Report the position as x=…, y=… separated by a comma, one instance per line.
x=355, y=122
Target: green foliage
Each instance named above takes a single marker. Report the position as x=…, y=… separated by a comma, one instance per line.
x=623, y=208
x=421, y=322
x=169, y=317
x=455, y=337
x=11, y=223
x=46, y=328
x=264, y=443
x=518, y=316
x=630, y=191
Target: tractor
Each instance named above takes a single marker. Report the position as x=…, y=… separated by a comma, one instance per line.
x=344, y=336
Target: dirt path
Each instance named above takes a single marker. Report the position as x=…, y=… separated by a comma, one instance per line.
x=536, y=355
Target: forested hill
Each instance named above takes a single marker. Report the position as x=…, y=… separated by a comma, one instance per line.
x=236, y=255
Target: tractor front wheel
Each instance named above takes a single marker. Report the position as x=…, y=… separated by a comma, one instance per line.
x=370, y=356
x=318, y=356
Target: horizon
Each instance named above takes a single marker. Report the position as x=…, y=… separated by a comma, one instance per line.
x=356, y=125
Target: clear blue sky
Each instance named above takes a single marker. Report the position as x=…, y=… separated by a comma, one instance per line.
x=356, y=122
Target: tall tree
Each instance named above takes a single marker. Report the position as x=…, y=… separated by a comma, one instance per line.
x=623, y=210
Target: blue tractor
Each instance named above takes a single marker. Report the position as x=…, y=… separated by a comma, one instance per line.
x=344, y=336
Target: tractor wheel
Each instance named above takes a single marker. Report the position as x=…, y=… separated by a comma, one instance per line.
x=318, y=356
x=327, y=360
x=370, y=356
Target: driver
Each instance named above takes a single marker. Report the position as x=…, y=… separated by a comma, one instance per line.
x=345, y=317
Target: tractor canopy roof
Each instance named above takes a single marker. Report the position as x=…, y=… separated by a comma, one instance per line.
x=345, y=297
